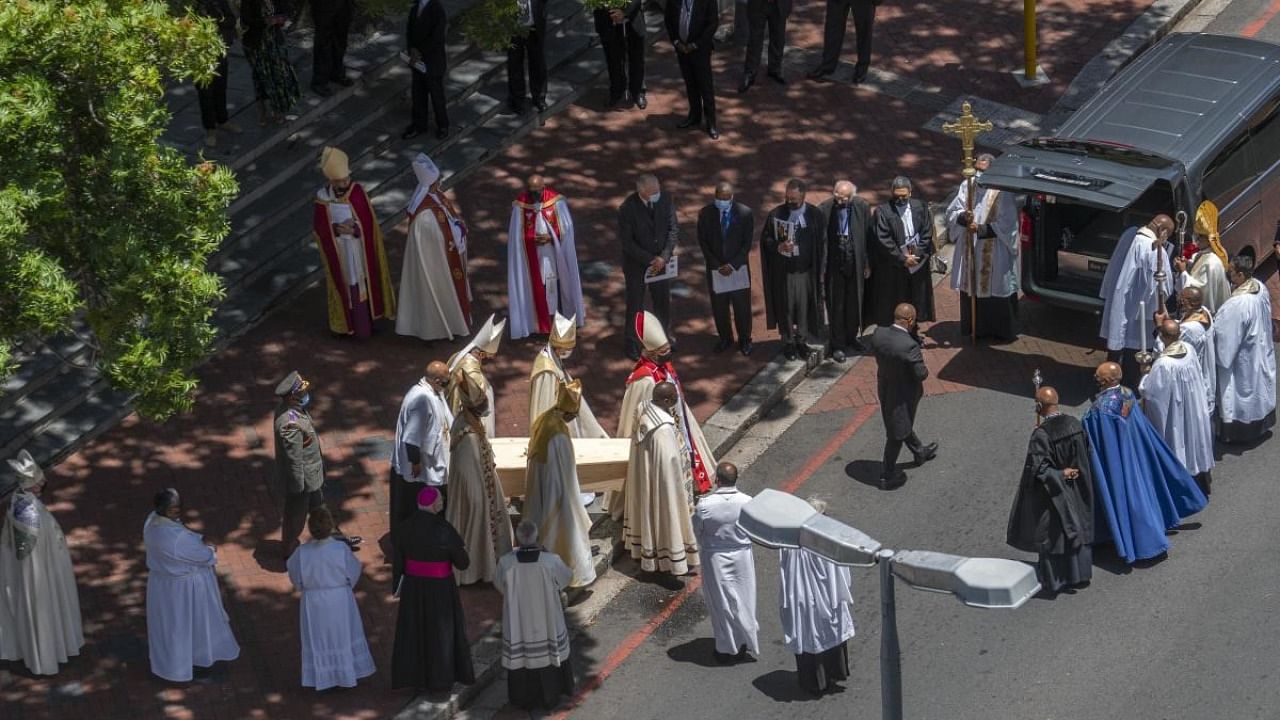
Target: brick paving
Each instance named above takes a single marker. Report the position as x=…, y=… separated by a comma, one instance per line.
x=220, y=456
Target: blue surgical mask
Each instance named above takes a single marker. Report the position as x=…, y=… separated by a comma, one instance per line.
x=305, y=400
x=654, y=198
x=723, y=205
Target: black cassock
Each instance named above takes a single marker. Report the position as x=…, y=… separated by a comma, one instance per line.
x=891, y=281
x=431, y=649
x=846, y=264
x=775, y=267
x=1051, y=515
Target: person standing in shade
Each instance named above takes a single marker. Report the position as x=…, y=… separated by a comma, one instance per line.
x=1242, y=337
x=1176, y=402
x=426, y=34
x=725, y=231
x=213, y=96
x=847, y=267
x=729, y=570
x=622, y=37
x=691, y=26
x=900, y=376
x=528, y=46
x=335, y=652
x=332, y=20
x=900, y=263
x=993, y=225
x=275, y=84
x=420, y=455
x=435, y=288
x=864, y=20
x=430, y=650
x=535, y=638
x=647, y=232
x=792, y=254
x=1052, y=513
x=186, y=624
x=815, y=597
x=759, y=14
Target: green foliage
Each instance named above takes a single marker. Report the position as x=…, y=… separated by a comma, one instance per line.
x=97, y=218
x=594, y=5
x=491, y=24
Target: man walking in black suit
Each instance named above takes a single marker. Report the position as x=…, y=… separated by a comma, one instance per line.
x=725, y=230
x=647, y=231
x=900, y=376
x=530, y=46
x=622, y=37
x=428, y=27
x=864, y=18
x=332, y=20
x=761, y=13
x=848, y=227
x=691, y=25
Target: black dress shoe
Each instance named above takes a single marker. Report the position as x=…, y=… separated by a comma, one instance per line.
x=722, y=658
x=819, y=74
x=802, y=351
x=688, y=122
x=442, y=133
x=927, y=453
x=839, y=356
x=747, y=81
x=713, y=133
x=722, y=346
x=642, y=102
x=896, y=480
x=789, y=351
x=540, y=105
x=321, y=89
x=746, y=347
x=859, y=74
x=345, y=81
x=410, y=132
x=515, y=108
x=776, y=76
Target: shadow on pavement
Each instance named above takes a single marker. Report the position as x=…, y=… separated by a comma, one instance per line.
x=783, y=686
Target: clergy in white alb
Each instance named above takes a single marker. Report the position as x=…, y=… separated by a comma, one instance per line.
x=1176, y=402
x=728, y=568
x=815, y=598
x=39, y=603
x=1246, y=357
x=993, y=227
x=1196, y=330
x=657, y=527
x=1129, y=287
x=186, y=625
x=420, y=454
x=1207, y=269
x=553, y=498
x=542, y=261
x=335, y=652
x=435, y=291
x=535, y=639
x=477, y=508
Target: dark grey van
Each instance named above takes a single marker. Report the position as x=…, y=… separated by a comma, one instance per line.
x=1196, y=117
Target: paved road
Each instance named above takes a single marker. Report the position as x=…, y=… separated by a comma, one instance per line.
x=1251, y=18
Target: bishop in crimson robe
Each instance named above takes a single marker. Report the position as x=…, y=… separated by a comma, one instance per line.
x=993, y=227
x=542, y=261
x=1246, y=357
x=435, y=292
x=1176, y=402
x=350, y=242
x=657, y=525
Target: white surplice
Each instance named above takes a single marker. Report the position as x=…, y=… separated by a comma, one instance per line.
x=553, y=502
x=544, y=386
x=335, y=652
x=39, y=603
x=1205, y=271
x=1129, y=291
x=429, y=306
x=1176, y=402
x=728, y=571
x=186, y=625
x=996, y=258
x=1246, y=355
x=816, y=595
x=424, y=422
x=534, y=634
x=556, y=264
x=657, y=525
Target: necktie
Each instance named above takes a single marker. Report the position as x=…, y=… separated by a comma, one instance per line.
x=686, y=13
x=724, y=222
x=844, y=221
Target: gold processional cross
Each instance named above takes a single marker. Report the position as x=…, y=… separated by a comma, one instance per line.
x=967, y=127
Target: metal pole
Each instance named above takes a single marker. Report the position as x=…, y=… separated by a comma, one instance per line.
x=1029, y=38
x=890, y=652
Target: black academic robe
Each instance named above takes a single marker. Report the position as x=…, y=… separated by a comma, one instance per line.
x=891, y=282
x=775, y=267
x=431, y=650
x=846, y=262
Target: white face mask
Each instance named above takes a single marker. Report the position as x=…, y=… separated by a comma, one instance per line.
x=653, y=199
x=564, y=354
x=723, y=205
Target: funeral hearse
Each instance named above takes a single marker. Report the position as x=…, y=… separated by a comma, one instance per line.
x=1196, y=117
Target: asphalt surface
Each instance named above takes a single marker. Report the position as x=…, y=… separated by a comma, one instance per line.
x=1258, y=19
x=1192, y=636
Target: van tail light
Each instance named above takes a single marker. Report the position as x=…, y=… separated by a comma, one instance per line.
x=1026, y=229
x=1026, y=232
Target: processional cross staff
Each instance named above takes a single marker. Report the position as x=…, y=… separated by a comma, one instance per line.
x=967, y=127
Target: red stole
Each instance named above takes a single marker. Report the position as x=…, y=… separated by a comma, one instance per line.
x=529, y=211
x=369, y=231
x=457, y=268
x=646, y=368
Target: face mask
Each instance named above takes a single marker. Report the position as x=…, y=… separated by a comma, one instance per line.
x=900, y=202
x=663, y=359
x=563, y=354
x=653, y=199
x=535, y=193
x=305, y=400
x=723, y=205
x=841, y=202
x=795, y=206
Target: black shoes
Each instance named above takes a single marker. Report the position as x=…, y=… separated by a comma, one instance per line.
x=642, y=102
x=820, y=75
x=839, y=356
x=321, y=89
x=712, y=132
x=927, y=453
x=410, y=133
x=776, y=76
x=345, y=81
x=748, y=80
x=688, y=122
x=893, y=481
x=789, y=351
x=540, y=105
x=859, y=75
x=745, y=347
x=722, y=346
x=442, y=133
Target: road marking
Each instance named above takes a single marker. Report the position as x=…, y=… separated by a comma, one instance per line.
x=1261, y=21
x=633, y=641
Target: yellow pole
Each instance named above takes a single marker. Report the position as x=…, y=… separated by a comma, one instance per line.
x=1029, y=38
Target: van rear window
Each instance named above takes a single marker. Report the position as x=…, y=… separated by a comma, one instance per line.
x=1122, y=154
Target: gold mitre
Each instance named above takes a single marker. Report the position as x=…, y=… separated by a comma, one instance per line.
x=334, y=164
x=490, y=335
x=564, y=332
x=1207, y=225
x=650, y=331
x=569, y=397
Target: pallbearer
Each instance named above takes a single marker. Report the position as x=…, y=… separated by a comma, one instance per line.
x=816, y=595
x=553, y=500
x=549, y=373
x=656, y=526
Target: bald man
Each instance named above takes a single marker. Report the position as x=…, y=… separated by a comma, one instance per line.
x=900, y=376
x=729, y=570
x=1052, y=513
x=1129, y=292
x=726, y=228
x=848, y=229
x=420, y=455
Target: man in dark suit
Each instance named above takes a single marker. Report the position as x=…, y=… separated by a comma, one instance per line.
x=428, y=26
x=725, y=230
x=647, y=231
x=622, y=37
x=332, y=20
x=530, y=46
x=900, y=263
x=691, y=25
x=900, y=376
x=792, y=254
x=760, y=13
x=864, y=18
x=213, y=97
x=848, y=227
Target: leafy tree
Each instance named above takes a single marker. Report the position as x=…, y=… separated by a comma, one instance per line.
x=99, y=221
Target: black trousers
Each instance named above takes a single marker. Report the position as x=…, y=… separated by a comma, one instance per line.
x=659, y=298
x=429, y=90
x=296, y=508
x=332, y=20
x=213, y=98
x=759, y=14
x=624, y=55
x=695, y=68
x=864, y=17
x=893, y=447
x=531, y=47
x=844, y=309
x=740, y=302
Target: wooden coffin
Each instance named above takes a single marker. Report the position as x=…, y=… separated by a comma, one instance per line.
x=602, y=463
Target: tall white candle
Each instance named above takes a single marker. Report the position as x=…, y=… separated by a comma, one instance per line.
x=1142, y=312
